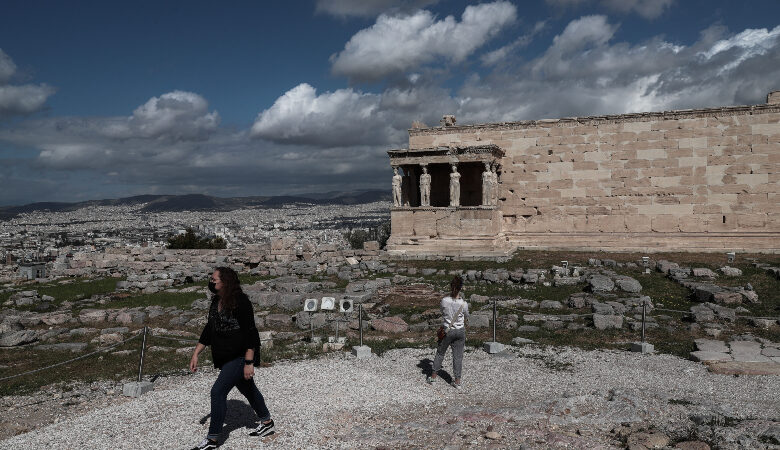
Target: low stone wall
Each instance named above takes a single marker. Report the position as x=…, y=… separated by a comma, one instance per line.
x=278, y=257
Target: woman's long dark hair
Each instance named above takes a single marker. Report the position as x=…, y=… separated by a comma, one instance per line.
x=231, y=288
x=455, y=286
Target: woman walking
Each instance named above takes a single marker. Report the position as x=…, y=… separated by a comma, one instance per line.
x=234, y=341
x=453, y=311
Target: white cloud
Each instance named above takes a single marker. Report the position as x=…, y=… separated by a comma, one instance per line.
x=365, y=8
x=7, y=67
x=747, y=44
x=395, y=44
x=584, y=72
x=500, y=54
x=347, y=117
x=177, y=114
x=649, y=9
x=301, y=116
x=19, y=99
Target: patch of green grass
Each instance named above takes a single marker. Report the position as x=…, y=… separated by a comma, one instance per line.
x=380, y=346
x=322, y=278
x=79, y=289
x=661, y=289
x=492, y=290
x=246, y=278
x=281, y=351
x=4, y=296
x=559, y=293
x=163, y=299
x=103, y=366
x=678, y=342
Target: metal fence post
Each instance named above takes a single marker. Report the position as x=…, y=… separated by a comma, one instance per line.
x=141, y=361
x=360, y=322
x=644, y=308
x=494, y=320
x=311, y=325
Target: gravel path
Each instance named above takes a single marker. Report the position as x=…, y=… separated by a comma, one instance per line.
x=533, y=397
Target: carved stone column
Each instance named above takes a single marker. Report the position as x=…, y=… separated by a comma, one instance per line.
x=487, y=185
x=425, y=186
x=454, y=186
x=397, y=183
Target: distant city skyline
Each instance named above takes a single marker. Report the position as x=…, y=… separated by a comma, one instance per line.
x=114, y=99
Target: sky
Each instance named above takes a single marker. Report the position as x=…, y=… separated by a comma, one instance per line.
x=113, y=99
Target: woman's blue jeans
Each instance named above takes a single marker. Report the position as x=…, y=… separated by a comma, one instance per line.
x=232, y=375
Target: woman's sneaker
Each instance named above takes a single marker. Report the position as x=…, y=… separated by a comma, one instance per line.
x=430, y=380
x=205, y=445
x=265, y=429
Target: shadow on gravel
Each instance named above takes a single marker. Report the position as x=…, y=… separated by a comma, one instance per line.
x=426, y=367
x=239, y=415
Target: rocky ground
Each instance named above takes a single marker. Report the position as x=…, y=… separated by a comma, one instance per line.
x=565, y=397
x=528, y=397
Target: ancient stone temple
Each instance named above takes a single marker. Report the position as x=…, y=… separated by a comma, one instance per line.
x=685, y=180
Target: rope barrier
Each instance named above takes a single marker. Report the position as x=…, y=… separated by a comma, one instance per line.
x=671, y=310
x=72, y=360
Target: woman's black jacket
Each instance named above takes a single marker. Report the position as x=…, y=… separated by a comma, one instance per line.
x=230, y=333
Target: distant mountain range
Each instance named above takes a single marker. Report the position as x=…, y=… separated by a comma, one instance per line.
x=199, y=202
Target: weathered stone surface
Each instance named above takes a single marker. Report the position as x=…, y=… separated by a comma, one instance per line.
x=692, y=445
x=393, y=324
x=704, y=272
x=278, y=320
x=702, y=314
x=647, y=440
x=521, y=341
x=14, y=338
x=730, y=271
x=703, y=293
x=709, y=345
x=579, y=300
x=550, y=304
x=749, y=296
x=74, y=347
x=566, y=281
x=131, y=317
x=605, y=322
x=479, y=320
x=628, y=284
x=530, y=278
x=93, y=315
x=10, y=325
x=771, y=352
x=744, y=368
x=727, y=298
x=602, y=308
x=707, y=356
x=600, y=283
x=479, y=298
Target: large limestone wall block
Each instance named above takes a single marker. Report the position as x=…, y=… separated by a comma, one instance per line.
x=664, y=223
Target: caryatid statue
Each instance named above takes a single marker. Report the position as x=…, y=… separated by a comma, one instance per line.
x=454, y=186
x=397, y=183
x=425, y=187
x=494, y=185
x=487, y=185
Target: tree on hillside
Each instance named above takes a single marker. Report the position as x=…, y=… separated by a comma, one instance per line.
x=190, y=240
